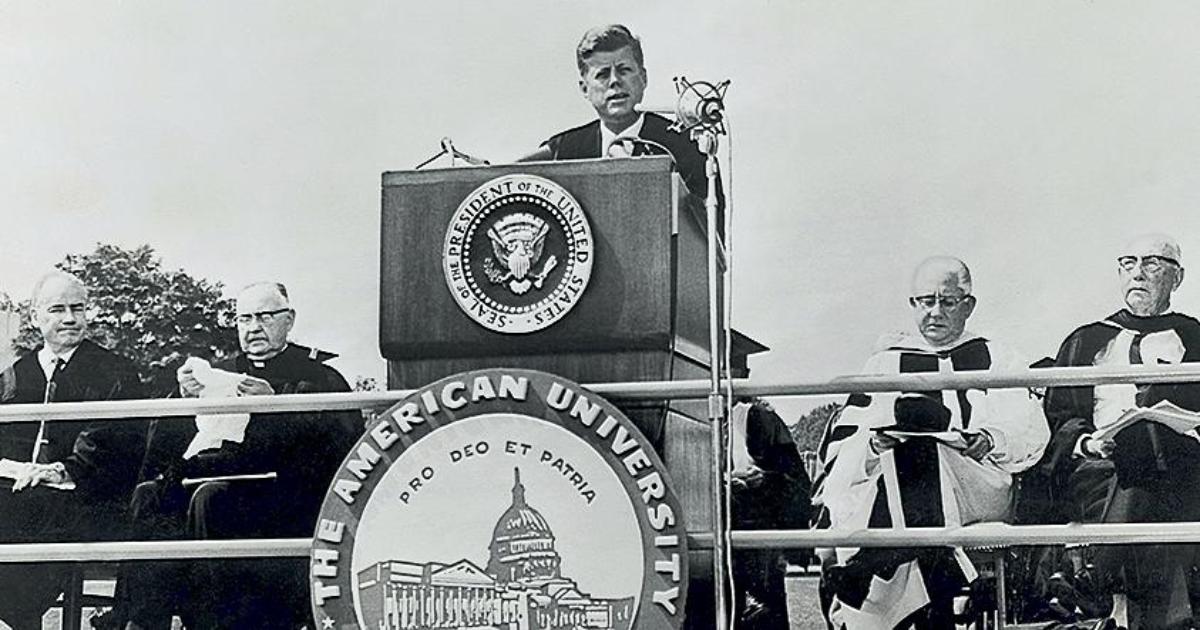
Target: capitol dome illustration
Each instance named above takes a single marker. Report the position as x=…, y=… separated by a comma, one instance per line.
x=522, y=547
x=521, y=588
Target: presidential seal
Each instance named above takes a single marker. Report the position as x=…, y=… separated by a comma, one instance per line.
x=500, y=499
x=518, y=254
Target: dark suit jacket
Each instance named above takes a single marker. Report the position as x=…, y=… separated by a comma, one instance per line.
x=583, y=143
x=101, y=456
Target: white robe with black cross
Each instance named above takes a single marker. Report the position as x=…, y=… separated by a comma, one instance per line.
x=922, y=482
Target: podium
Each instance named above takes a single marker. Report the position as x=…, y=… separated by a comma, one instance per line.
x=642, y=317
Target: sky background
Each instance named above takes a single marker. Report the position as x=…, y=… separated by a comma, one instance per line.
x=245, y=141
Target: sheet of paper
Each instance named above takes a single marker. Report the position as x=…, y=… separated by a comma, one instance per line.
x=214, y=428
x=1165, y=413
x=953, y=439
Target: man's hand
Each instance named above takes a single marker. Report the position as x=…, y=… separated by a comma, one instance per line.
x=251, y=386
x=41, y=473
x=881, y=442
x=188, y=385
x=978, y=445
x=1092, y=447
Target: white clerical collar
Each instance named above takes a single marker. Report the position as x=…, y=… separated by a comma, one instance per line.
x=47, y=359
x=607, y=136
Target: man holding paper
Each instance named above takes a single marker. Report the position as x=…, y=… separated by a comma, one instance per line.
x=240, y=476
x=62, y=480
x=921, y=459
x=1145, y=472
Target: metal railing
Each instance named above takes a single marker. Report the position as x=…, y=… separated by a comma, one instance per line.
x=978, y=535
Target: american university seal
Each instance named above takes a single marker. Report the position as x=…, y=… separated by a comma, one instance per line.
x=506, y=499
x=518, y=253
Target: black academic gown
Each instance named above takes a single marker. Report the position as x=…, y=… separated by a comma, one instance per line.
x=302, y=449
x=102, y=457
x=1154, y=473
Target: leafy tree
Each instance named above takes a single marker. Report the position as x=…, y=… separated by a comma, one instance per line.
x=807, y=431
x=156, y=317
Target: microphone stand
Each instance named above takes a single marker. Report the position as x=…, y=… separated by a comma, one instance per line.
x=700, y=110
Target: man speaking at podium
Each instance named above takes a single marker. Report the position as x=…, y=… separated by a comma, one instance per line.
x=612, y=77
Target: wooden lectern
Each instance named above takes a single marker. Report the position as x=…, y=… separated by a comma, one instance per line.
x=643, y=316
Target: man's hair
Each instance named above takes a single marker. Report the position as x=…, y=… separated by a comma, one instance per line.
x=607, y=39
x=54, y=275
x=278, y=286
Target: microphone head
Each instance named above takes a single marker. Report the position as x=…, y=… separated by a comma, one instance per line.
x=700, y=104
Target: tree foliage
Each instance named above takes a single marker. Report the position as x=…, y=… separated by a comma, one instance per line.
x=156, y=317
x=807, y=432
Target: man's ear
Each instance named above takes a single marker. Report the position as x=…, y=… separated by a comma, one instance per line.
x=1178, y=278
x=969, y=304
x=582, y=87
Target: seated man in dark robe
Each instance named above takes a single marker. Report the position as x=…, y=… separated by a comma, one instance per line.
x=299, y=452
x=1146, y=473
x=612, y=77
x=770, y=490
x=921, y=459
x=75, y=476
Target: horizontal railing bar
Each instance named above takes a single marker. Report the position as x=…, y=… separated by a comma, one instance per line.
x=155, y=550
x=978, y=535
x=648, y=390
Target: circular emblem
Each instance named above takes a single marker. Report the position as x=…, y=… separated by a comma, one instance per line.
x=518, y=254
x=500, y=499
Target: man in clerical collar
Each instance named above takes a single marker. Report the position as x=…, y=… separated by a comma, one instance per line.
x=613, y=78
x=921, y=459
x=62, y=470
x=1145, y=473
x=281, y=462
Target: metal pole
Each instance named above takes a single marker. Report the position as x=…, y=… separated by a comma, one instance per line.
x=707, y=140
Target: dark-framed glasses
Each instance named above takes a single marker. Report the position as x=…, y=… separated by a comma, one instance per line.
x=1149, y=264
x=265, y=317
x=947, y=302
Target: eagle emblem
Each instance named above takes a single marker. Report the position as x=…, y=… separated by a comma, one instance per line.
x=517, y=243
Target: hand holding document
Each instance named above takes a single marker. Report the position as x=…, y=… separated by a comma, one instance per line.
x=953, y=439
x=213, y=429
x=1175, y=418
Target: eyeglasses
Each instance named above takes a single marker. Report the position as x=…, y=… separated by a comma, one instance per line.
x=947, y=302
x=1149, y=264
x=265, y=317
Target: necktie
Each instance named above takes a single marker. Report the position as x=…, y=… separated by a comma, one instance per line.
x=51, y=387
x=1135, y=358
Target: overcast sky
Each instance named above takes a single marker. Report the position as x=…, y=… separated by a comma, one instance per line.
x=246, y=140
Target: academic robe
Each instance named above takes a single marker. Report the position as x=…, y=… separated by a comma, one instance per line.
x=1153, y=474
x=303, y=449
x=920, y=483
x=102, y=458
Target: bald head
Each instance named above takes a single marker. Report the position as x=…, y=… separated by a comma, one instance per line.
x=941, y=271
x=1150, y=269
x=941, y=299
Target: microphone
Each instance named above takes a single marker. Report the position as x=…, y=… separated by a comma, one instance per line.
x=701, y=105
x=448, y=148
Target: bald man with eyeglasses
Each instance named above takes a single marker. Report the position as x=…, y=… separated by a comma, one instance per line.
x=266, y=475
x=921, y=459
x=1145, y=473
